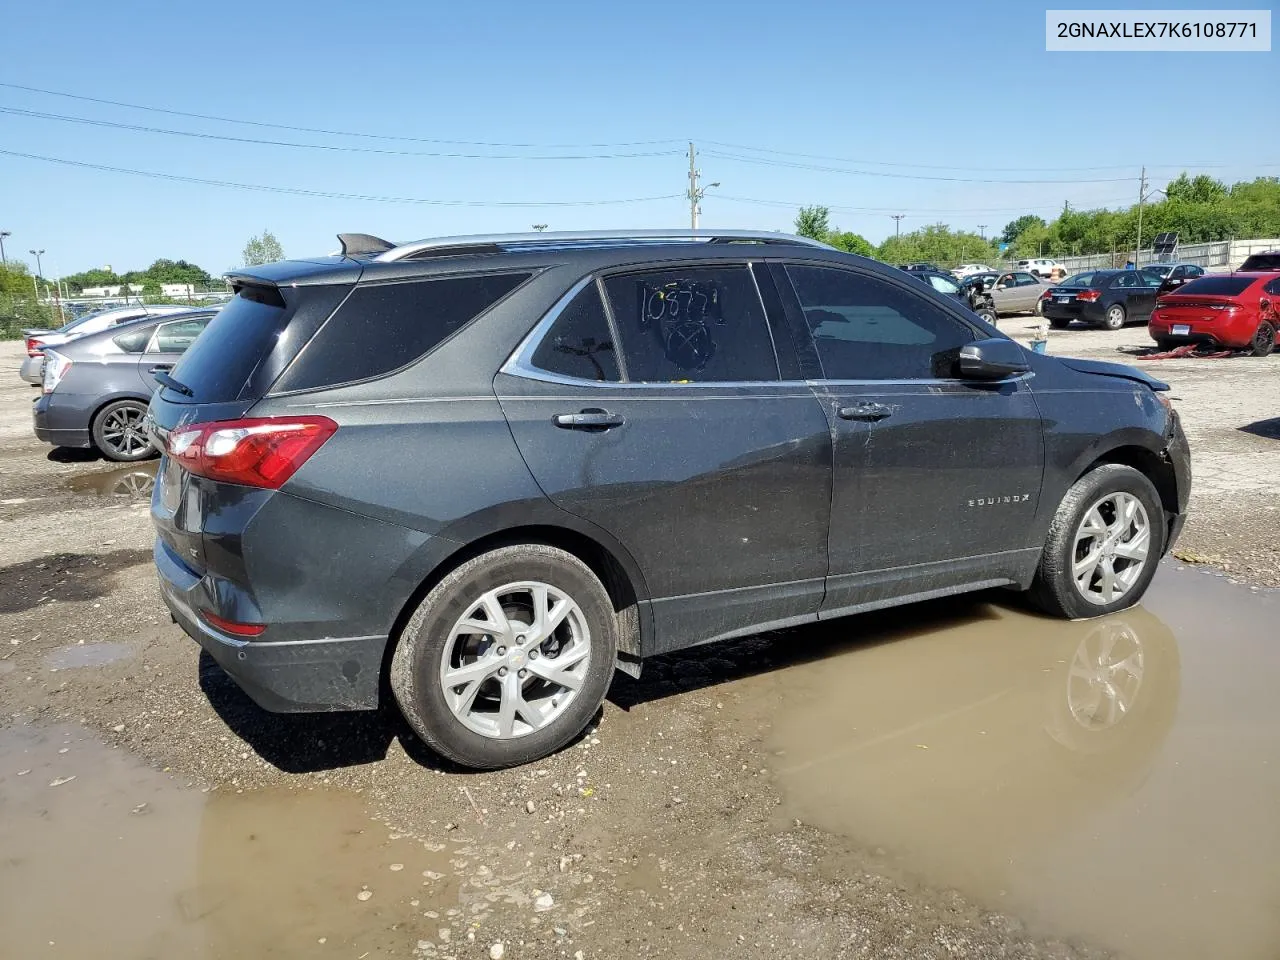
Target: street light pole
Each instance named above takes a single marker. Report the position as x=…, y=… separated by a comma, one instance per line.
x=4, y=261
x=695, y=193
x=39, y=271
x=897, y=223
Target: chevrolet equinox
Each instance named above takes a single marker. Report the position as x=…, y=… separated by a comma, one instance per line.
x=485, y=472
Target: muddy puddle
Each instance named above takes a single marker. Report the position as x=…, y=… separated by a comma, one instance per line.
x=132, y=482
x=103, y=857
x=1114, y=780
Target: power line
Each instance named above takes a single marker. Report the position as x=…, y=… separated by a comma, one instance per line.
x=760, y=161
x=333, y=133
x=298, y=191
x=18, y=111
x=919, y=211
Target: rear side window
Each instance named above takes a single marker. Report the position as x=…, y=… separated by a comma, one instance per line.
x=943, y=285
x=692, y=325
x=1217, y=286
x=868, y=329
x=579, y=343
x=136, y=340
x=1262, y=261
x=383, y=327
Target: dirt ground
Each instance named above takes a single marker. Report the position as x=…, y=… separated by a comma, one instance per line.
x=683, y=826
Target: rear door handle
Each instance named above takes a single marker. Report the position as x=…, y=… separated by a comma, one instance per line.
x=161, y=368
x=870, y=412
x=588, y=420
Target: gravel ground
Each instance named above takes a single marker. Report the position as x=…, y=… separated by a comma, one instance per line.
x=663, y=836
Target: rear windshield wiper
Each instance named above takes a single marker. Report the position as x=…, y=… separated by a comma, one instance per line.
x=168, y=381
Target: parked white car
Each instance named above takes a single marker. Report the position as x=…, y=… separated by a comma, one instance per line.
x=969, y=269
x=1039, y=266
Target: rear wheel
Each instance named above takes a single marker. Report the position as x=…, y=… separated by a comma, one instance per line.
x=1264, y=340
x=1059, y=323
x=508, y=658
x=118, y=433
x=1103, y=546
x=1114, y=318
x=989, y=315
x=1164, y=344
x=1039, y=307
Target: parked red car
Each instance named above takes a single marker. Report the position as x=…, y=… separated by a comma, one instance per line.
x=1235, y=310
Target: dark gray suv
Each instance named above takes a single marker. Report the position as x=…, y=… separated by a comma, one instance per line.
x=490, y=471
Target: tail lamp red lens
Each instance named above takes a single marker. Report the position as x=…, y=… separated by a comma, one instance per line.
x=34, y=347
x=254, y=452
x=231, y=627
x=1088, y=296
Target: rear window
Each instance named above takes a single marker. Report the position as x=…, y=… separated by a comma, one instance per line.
x=383, y=327
x=219, y=364
x=1079, y=280
x=1217, y=286
x=135, y=340
x=1262, y=261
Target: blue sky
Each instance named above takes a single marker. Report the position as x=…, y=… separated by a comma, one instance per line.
x=925, y=89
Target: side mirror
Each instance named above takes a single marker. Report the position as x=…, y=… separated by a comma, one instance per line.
x=994, y=359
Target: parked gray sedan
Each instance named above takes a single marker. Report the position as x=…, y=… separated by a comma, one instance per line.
x=96, y=388
x=1018, y=292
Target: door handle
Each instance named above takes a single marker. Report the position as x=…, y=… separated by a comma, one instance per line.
x=588, y=420
x=161, y=368
x=868, y=411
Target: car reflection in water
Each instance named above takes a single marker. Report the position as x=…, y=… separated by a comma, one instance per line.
x=134, y=482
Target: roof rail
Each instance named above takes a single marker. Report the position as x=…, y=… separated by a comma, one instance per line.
x=497, y=243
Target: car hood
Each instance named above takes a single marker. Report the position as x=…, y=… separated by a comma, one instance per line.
x=1105, y=368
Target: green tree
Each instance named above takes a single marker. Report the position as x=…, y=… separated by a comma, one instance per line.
x=262, y=249
x=1199, y=189
x=1014, y=228
x=851, y=242
x=813, y=222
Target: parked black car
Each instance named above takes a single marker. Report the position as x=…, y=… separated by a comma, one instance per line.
x=96, y=388
x=1261, y=262
x=1103, y=298
x=489, y=471
x=1173, y=275
x=922, y=265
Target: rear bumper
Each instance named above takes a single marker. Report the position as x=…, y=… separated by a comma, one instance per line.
x=291, y=676
x=1235, y=336
x=1091, y=313
x=50, y=424
x=32, y=369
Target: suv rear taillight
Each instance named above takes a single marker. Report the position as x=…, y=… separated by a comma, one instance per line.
x=1088, y=296
x=254, y=452
x=34, y=347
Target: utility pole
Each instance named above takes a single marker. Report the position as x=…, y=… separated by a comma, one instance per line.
x=982, y=230
x=695, y=193
x=4, y=261
x=897, y=224
x=1142, y=199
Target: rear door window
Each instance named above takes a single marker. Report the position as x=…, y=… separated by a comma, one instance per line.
x=692, y=325
x=580, y=343
x=136, y=340
x=382, y=327
x=178, y=335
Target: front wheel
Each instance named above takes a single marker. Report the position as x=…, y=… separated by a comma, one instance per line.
x=1264, y=340
x=1038, y=310
x=1114, y=318
x=508, y=658
x=1103, y=545
x=118, y=432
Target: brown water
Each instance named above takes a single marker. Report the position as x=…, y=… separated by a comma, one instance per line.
x=132, y=482
x=122, y=862
x=1116, y=780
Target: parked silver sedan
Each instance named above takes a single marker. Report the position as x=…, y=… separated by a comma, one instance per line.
x=1018, y=292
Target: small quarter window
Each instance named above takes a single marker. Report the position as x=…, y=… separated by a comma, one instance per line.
x=579, y=343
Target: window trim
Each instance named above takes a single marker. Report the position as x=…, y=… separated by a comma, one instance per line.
x=520, y=362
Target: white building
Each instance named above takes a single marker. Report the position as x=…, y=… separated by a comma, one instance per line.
x=111, y=291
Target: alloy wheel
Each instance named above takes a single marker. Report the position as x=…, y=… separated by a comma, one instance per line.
x=1112, y=546
x=515, y=659
x=122, y=431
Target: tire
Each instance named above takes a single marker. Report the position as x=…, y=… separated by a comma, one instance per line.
x=1164, y=344
x=1264, y=340
x=117, y=432
x=1038, y=309
x=474, y=736
x=1055, y=589
x=1115, y=317
x=1059, y=323
x=990, y=316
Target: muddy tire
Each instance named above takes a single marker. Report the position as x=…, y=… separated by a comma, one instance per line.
x=1103, y=546
x=1264, y=340
x=117, y=432
x=1115, y=317
x=508, y=658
